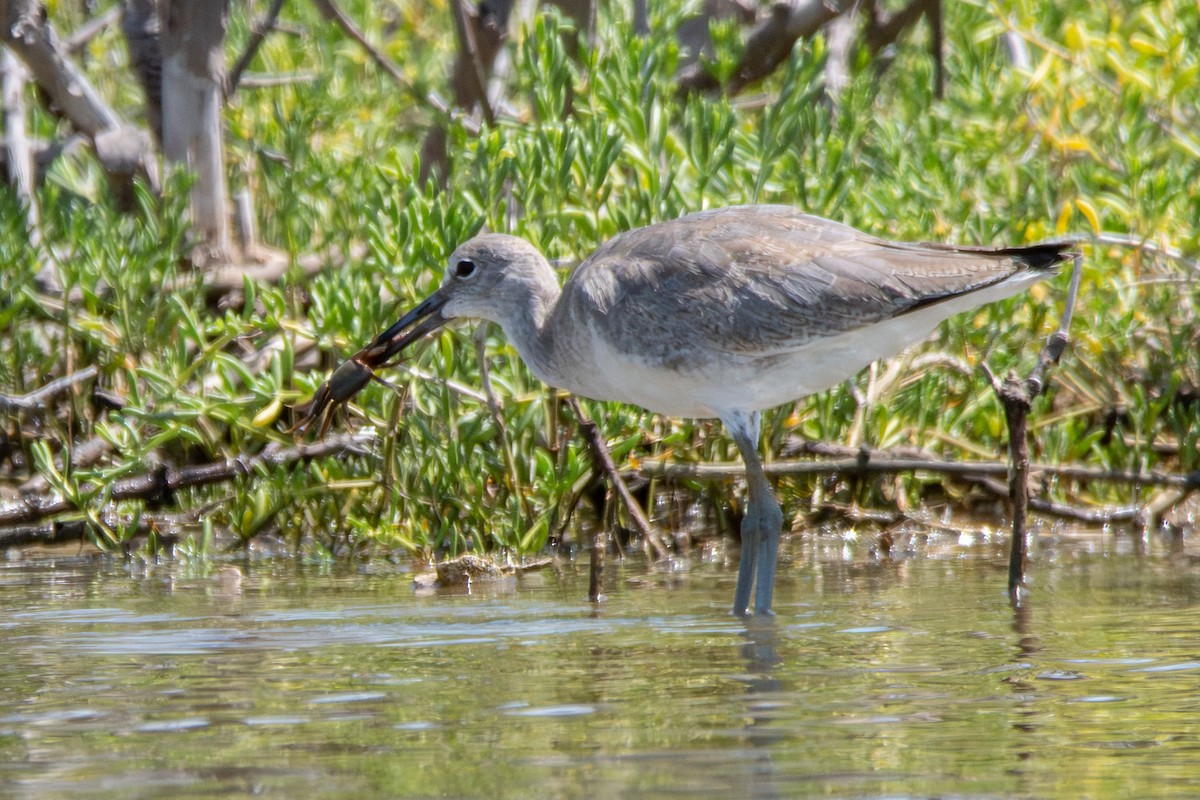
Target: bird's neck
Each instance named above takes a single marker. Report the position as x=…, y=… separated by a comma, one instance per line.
x=529, y=324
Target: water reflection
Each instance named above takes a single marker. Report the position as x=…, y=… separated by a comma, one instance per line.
x=764, y=691
x=908, y=677
x=1025, y=712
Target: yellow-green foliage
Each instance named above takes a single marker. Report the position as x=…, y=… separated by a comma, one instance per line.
x=1096, y=140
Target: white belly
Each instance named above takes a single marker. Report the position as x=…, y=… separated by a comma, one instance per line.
x=758, y=382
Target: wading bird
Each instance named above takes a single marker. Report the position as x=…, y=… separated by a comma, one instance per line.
x=722, y=313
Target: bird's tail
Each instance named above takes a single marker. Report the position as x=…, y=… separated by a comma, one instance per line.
x=1041, y=256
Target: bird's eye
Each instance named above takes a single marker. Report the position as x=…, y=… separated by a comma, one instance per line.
x=464, y=269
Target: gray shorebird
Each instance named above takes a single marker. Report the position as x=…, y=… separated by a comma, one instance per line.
x=722, y=313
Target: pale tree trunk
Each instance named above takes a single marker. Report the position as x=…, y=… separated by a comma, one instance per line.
x=23, y=27
x=123, y=150
x=20, y=159
x=142, y=27
x=193, y=74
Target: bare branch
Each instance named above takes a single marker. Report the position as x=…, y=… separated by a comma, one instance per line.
x=641, y=18
x=38, y=398
x=257, y=34
x=769, y=43
x=163, y=482
x=193, y=74
x=334, y=13
x=17, y=151
x=258, y=80
x=30, y=36
x=89, y=30
x=839, y=37
x=1147, y=246
x=839, y=460
x=473, y=64
x=882, y=30
x=24, y=29
x=603, y=461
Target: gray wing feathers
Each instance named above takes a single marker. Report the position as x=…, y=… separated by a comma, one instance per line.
x=757, y=278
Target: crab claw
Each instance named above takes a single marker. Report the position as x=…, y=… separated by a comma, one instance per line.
x=345, y=382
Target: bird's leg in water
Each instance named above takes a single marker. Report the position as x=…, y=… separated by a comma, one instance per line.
x=762, y=523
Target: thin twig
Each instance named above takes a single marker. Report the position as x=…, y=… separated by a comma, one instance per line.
x=38, y=397
x=257, y=34
x=603, y=459
x=332, y=12
x=768, y=44
x=1147, y=246
x=81, y=36
x=937, y=47
x=464, y=28
x=886, y=462
x=22, y=172
x=258, y=80
x=641, y=18
x=161, y=483
x=497, y=412
x=1104, y=515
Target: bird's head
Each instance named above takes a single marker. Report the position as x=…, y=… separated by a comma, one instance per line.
x=492, y=276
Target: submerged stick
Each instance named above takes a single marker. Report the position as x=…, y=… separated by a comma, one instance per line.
x=602, y=458
x=596, y=566
x=1017, y=397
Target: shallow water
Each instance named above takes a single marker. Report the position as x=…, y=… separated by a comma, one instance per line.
x=907, y=677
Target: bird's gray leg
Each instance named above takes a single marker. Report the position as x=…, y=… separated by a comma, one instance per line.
x=762, y=522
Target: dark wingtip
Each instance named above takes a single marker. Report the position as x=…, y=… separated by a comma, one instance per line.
x=1042, y=256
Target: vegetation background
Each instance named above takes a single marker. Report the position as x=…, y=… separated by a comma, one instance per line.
x=1065, y=120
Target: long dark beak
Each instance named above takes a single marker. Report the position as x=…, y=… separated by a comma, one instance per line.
x=421, y=320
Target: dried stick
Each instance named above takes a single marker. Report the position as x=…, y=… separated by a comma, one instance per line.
x=83, y=35
x=1146, y=246
x=1106, y=515
x=641, y=18
x=937, y=38
x=494, y=408
x=160, y=484
x=475, y=69
x=855, y=461
x=21, y=171
x=603, y=461
x=38, y=397
x=1017, y=397
x=257, y=34
x=769, y=43
x=263, y=80
x=122, y=149
x=884, y=30
x=331, y=11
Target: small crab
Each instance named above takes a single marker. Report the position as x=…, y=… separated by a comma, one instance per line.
x=346, y=381
x=353, y=375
